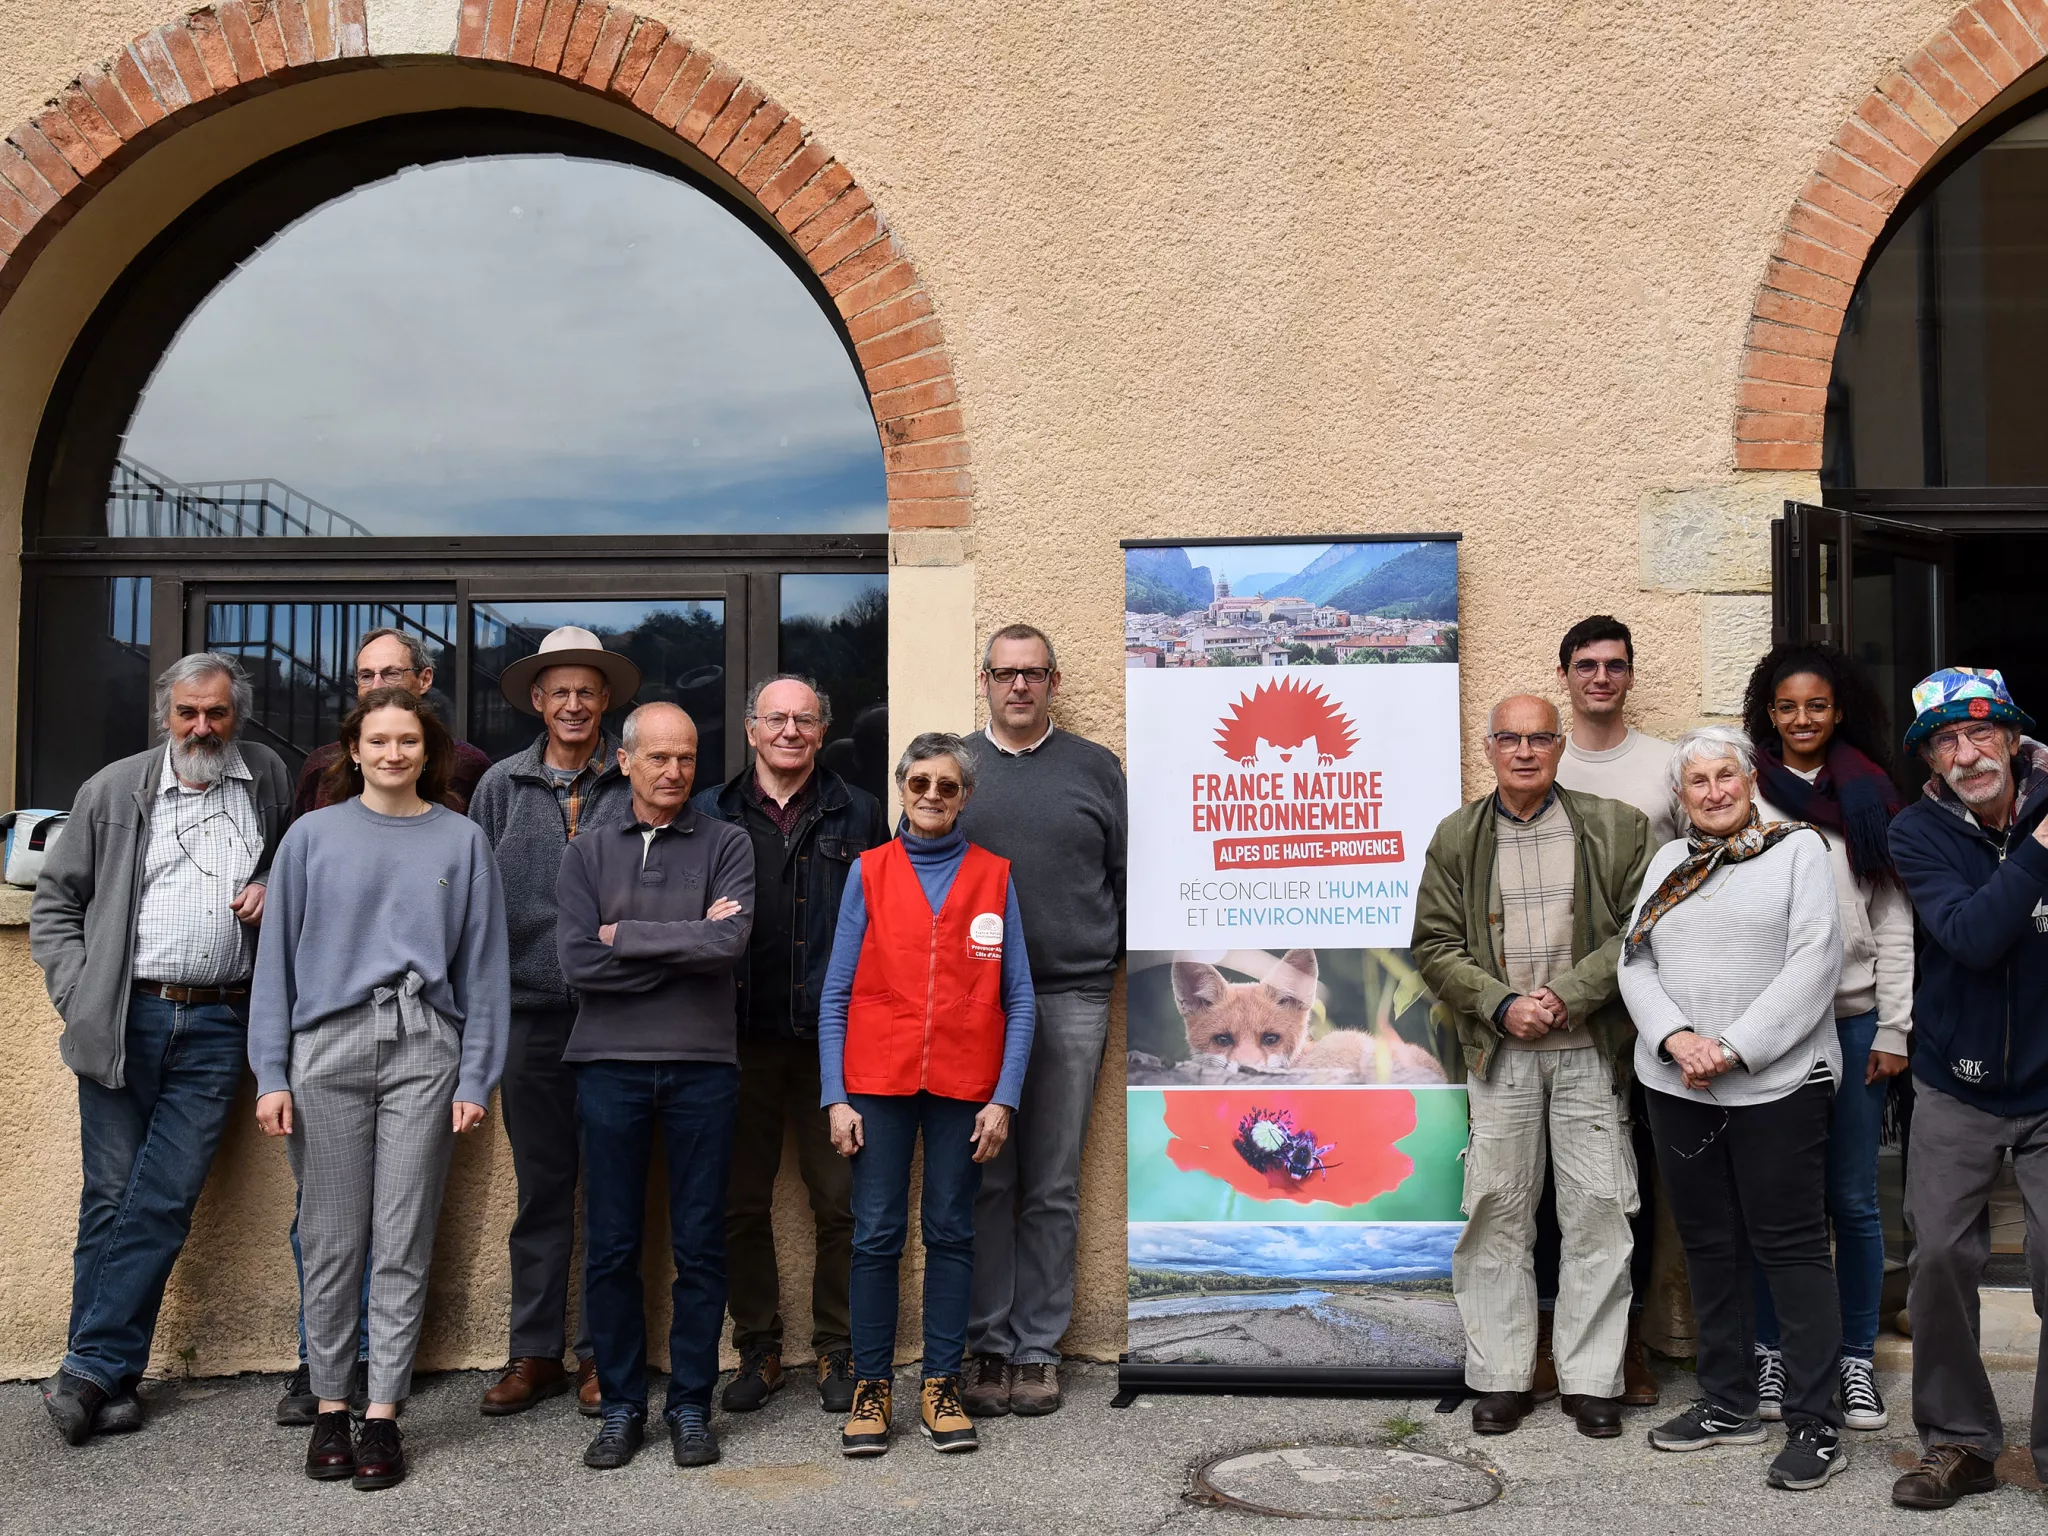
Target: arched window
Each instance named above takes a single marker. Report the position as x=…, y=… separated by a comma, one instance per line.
x=470, y=375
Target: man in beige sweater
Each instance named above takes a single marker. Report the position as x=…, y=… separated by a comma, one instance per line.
x=1604, y=754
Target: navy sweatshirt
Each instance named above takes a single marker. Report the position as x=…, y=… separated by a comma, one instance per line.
x=1980, y=1011
x=662, y=990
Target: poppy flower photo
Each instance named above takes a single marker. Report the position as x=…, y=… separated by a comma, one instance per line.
x=1306, y=1145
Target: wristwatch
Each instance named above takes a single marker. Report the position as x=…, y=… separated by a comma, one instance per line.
x=1728, y=1053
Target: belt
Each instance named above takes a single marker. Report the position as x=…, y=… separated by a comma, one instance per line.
x=172, y=992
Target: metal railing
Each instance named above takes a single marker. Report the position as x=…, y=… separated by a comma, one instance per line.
x=146, y=503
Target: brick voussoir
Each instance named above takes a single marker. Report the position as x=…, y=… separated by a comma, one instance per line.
x=948, y=453
x=893, y=315
x=731, y=118
x=502, y=22
x=793, y=180
x=930, y=514
x=766, y=122
x=887, y=348
x=526, y=24
x=2011, y=32
x=788, y=140
x=864, y=296
x=1797, y=399
x=298, y=35
x=553, y=35
x=581, y=41
x=682, y=90
x=55, y=125
x=209, y=38
x=1778, y=427
x=861, y=265
x=660, y=73
x=240, y=37
x=709, y=101
x=1785, y=368
x=1984, y=48
x=914, y=369
x=1815, y=287
x=112, y=102
x=1858, y=140
x=190, y=64
x=610, y=46
x=856, y=234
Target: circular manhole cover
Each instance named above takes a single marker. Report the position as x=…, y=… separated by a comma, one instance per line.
x=1344, y=1482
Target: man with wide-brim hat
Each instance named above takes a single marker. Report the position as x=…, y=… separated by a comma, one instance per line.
x=531, y=806
x=1973, y=853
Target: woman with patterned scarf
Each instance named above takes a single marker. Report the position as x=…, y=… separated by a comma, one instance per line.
x=1823, y=756
x=1729, y=971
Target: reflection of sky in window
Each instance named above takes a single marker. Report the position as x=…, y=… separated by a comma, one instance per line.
x=825, y=597
x=523, y=345
x=597, y=614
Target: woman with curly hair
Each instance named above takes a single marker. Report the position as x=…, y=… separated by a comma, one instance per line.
x=1822, y=757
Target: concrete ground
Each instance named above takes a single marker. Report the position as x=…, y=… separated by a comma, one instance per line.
x=211, y=1460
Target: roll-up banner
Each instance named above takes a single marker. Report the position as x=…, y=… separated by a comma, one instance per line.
x=1296, y=1108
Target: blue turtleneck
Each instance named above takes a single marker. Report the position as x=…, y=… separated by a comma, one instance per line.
x=937, y=861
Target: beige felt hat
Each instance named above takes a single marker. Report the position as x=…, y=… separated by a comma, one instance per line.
x=568, y=647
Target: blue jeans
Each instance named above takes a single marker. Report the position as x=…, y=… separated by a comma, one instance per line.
x=299, y=1264
x=881, y=1223
x=619, y=1104
x=1851, y=1197
x=147, y=1148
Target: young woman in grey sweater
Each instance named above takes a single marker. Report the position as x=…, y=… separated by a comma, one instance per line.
x=1729, y=973
x=377, y=1029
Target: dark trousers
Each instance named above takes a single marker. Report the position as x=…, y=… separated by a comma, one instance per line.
x=621, y=1103
x=778, y=1087
x=881, y=1224
x=538, y=1096
x=146, y=1148
x=1748, y=1188
x=1957, y=1152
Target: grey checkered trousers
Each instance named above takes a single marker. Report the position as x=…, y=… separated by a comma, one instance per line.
x=370, y=1142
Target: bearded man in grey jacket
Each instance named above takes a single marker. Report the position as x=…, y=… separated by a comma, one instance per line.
x=144, y=922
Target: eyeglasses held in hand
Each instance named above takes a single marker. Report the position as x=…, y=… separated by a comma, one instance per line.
x=1511, y=741
x=1982, y=734
x=922, y=784
x=780, y=721
x=1587, y=667
x=389, y=677
x=1004, y=676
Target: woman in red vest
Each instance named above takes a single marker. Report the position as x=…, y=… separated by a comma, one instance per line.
x=924, y=1025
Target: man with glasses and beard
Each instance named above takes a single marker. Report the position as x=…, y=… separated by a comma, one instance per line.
x=144, y=922
x=1973, y=852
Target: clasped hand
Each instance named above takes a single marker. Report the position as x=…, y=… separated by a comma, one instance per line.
x=1700, y=1059
x=1533, y=1015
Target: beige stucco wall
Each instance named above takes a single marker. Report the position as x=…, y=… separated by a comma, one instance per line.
x=1321, y=267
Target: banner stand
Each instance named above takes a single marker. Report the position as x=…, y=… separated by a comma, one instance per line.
x=1295, y=1102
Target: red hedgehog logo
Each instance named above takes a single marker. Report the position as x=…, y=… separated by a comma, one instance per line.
x=1286, y=724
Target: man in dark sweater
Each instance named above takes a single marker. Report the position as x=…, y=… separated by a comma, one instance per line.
x=653, y=920
x=807, y=826
x=1053, y=804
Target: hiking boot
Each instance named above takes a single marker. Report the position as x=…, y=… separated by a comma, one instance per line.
x=690, y=1437
x=1946, y=1473
x=380, y=1455
x=1035, y=1391
x=1862, y=1404
x=759, y=1375
x=331, y=1452
x=73, y=1403
x=618, y=1439
x=1598, y=1418
x=300, y=1405
x=527, y=1380
x=1703, y=1425
x=1813, y=1453
x=835, y=1381
x=589, y=1395
x=944, y=1421
x=1638, y=1385
x=1501, y=1413
x=987, y=1392
x=1770, y=1384
x=867, y=1428
x=120, y=1414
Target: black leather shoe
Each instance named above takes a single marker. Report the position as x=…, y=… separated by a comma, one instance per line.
x=690, y=1437
x=331, y=1454
x=758, y=1378
x=1501, y=1413
x=300, y=1405
x=618, y=1439
x=380, y=1454
x=1946, y=1474
x=835, y=1381
x=120, y=1414
x=1598, y=1418
x=73, y=1403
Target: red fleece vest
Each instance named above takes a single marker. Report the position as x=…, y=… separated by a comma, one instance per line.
x=927, y=1005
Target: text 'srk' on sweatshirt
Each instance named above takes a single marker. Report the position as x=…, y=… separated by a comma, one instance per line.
x=663, y=989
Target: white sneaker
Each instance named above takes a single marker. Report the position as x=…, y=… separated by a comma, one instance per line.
x=1862, y=1404
x=1770, y=1384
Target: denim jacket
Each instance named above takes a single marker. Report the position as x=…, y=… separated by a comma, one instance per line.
x=837, y=827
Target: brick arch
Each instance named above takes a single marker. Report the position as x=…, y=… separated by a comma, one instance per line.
x=1875, y=156
x=190, y=68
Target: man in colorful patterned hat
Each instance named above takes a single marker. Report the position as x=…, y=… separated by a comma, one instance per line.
x=1973, y=853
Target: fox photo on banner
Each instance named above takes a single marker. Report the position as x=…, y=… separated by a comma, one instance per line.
x=1296, y=1109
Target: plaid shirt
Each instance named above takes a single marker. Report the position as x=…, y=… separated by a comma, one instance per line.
x=203, y=846
x=784, y=816
x=570, y=790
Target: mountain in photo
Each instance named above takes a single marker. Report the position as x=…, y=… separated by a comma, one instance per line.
x=1421, y=582
x=1334, y=569
x=1163, y=581
x=1258, y=584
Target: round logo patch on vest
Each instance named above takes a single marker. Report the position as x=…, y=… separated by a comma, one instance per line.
x=985, y=936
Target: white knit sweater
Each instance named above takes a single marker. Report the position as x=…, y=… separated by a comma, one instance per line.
x=1752, y=957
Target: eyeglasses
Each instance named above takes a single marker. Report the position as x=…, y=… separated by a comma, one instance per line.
x=1587, y=667
x=779, y=722
x=1983, y=735
x=1788, y=709
x=561, y=696
x=389, y=677
x=1002, y=677
x=1511, y=741
x=922, y=784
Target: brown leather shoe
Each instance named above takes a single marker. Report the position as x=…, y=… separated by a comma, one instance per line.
x=1638, y=1386
x=1501, y=1413
x=331, y=1453
x=380, y=1455
x=1945, y=1474
x=528, y=1380
x=589, y=1395
x=1035, y=1390
x=986, y=1394
x=1544, y=1387
x=1598, y=1418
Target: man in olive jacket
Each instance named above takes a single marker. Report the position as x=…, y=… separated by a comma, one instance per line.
x=1524, y=899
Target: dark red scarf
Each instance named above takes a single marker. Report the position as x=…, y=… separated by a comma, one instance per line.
x=1851, y=796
